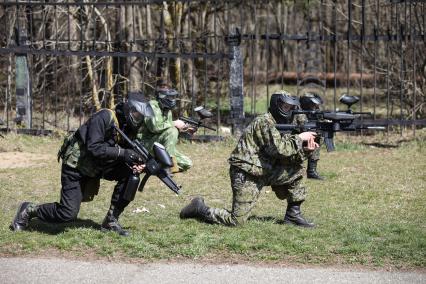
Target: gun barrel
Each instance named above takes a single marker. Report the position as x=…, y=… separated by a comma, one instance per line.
x=169, y=182
x=208, y=127
x=189, y=121
x=376, y=127
x=362, y=112
x=195, y=123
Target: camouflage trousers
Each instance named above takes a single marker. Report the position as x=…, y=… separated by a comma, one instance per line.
x=246, y=189
x=169, y=138
x=314, y=155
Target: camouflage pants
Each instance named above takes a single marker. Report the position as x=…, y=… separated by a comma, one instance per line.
x=169, y=138
x=246, y=189
x=315, y=155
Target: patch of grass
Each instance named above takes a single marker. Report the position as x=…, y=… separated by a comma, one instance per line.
x=349, y=146
x=369, y=210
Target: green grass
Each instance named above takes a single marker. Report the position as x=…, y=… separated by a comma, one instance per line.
x=370, y=211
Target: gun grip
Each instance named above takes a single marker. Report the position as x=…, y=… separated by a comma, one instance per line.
x=329, y=144
x=143, y=182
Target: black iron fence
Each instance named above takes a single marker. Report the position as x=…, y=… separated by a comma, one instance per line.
x=62, y=60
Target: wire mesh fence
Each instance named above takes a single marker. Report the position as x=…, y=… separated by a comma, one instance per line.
x=63, y=60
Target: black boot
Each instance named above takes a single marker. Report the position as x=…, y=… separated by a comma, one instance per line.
x=293, y=216
x=311, y=171
x=110, y=223
x=26, y=211
x=196, y=209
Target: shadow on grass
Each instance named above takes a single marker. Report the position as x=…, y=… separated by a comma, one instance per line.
x=266, y=219
x=326, y=175
x=391, y=145
x=57, y=228
x=251, y=218
x=381, y=145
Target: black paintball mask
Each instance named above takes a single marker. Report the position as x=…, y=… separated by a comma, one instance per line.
x=310, y=101
x=281, y=106
x=167, y=98
x=136, y=108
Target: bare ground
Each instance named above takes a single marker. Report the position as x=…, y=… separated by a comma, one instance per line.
x=9, y=160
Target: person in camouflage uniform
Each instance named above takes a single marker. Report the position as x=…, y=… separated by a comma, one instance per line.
x=162, y=129
x=93, y=152
x=310, y=101
x=263, y=157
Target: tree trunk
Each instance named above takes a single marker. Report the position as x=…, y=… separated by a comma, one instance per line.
x=109, y=85
x=172, y=21
x=135, y=77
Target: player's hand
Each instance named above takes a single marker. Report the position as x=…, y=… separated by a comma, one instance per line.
x=137, y=169
x=179, y=124
x=189, y=129
x=131, y=157
x=308, y=139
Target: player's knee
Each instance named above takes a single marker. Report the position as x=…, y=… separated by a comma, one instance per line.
x=171, y=133
x=185, y=165
x=281, y=192
x=68, y=213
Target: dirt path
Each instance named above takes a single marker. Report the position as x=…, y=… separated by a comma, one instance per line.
x=58, y=270
x=10, y=160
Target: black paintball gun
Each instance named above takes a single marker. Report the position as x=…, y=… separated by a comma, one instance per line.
x=156, y=164
x=326, y=123
x=344, y=99
x=196, y=123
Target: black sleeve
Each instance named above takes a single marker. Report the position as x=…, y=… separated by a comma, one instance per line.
x=98, y=127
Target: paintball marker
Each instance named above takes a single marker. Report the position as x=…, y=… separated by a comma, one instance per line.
x=326, y=123
x=154, y=164
x=344, y=99
x=203, y=114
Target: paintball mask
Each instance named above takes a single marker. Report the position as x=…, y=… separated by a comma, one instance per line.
x=136, y=109
x=310, y=101
x=282, y=105
x=167, y=98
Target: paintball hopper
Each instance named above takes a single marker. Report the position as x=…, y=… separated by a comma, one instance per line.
x=162, y=156
x=202, y=112
x=348, y=100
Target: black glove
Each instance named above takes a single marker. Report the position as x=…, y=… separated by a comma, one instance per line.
x=131, y=157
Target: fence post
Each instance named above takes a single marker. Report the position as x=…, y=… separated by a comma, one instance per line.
x=23, y=83
x=236, y=82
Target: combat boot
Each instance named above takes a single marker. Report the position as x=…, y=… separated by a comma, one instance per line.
x=26, y=211
x=175, y=168
x=311, y=171
x=196, y=209
x=110, y=223
x=293, y=216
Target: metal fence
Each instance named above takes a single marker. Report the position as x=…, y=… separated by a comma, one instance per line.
x=61, y=60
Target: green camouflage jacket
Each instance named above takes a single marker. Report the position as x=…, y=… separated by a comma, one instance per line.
x=155, y=124
x=261, y=147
